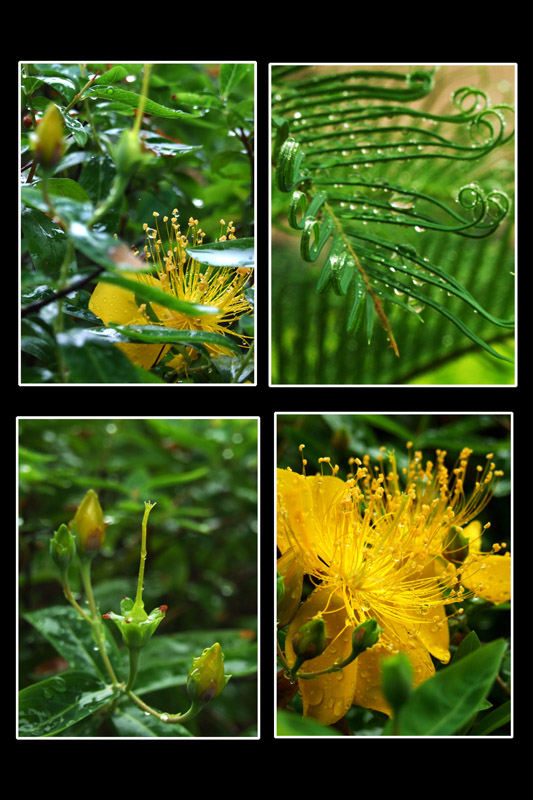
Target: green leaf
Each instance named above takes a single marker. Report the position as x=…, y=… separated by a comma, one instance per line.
x=98, y=246
x=112, y=75
x=408, y=193
x=64, y=86
x=179, y=477
x=66, y=187
x=162, y=146
x=231, y=253
x=156, y=334
x=289, y=724
x=92, y=357
x=55, y=704
x=72, y=638
x=46, y=242
x=230, y=76
x=132, y=100
x=447, y=700
x=492, y=720
x=469, y=644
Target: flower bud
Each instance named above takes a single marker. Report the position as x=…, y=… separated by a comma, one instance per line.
x=456, y=545
x=310, y=640
x=206, y=678
x=128, y=153
x=291, y=578
x=48, y=142
x=62, y=547
x=396, y=680
x=89, y=524
x=365, y=635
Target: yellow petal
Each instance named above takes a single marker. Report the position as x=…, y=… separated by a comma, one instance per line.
x=328, y=697
x=114, y=304
x=489, y=577
x=473, y=532
x=368, y=692
x=304, y=504
x=435, y=635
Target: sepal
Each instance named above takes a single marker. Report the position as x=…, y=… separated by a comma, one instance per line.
x=135, y=625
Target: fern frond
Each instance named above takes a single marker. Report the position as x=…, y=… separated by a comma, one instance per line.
x=365, y=171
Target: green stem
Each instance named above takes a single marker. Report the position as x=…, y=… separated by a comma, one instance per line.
x=85, y=570
x=163, y=716
x=142, y=103
x=135, y=655
x=116, y=192
x=70, y=597
x=79, y=96
x=138, y=598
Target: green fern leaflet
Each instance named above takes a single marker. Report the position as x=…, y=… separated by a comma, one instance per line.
x=379, y=171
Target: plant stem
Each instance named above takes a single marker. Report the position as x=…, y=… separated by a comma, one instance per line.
x=79, y=96
x=163, y=716
x=138, y=597
x=135, y=655
x=70, y=597
x=85, y=570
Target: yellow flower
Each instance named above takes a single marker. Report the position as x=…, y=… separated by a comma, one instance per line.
x=375, y=549
x=180, y=276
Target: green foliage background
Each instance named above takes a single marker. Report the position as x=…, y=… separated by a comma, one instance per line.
x=202, y=541
x=341, y=436
x=198, y=157
x=310, y=343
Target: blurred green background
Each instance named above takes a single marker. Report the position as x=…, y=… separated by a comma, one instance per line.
x=202, y=534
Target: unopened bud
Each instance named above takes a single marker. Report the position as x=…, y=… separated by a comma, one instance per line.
x=62, y=547
x=206, y=678
x=291, y=574
x=89, y=524
x=310, y=640
x=47, y=141
x=396, y=680
x=365, y=635
x=456, y=545
x=128, y=152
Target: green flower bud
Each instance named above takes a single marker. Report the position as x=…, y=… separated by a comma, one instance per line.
x=456, y=545
x=206, y=678
x=396, y=680
x=62, y=547
x=128, y=152
x=280, y=587
x=89, y=524
x=135, y=625
x=291, y=573
x=47, y=141
x=310, y=640
x=365, y=635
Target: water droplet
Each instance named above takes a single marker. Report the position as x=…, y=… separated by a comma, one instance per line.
x=315, y=696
